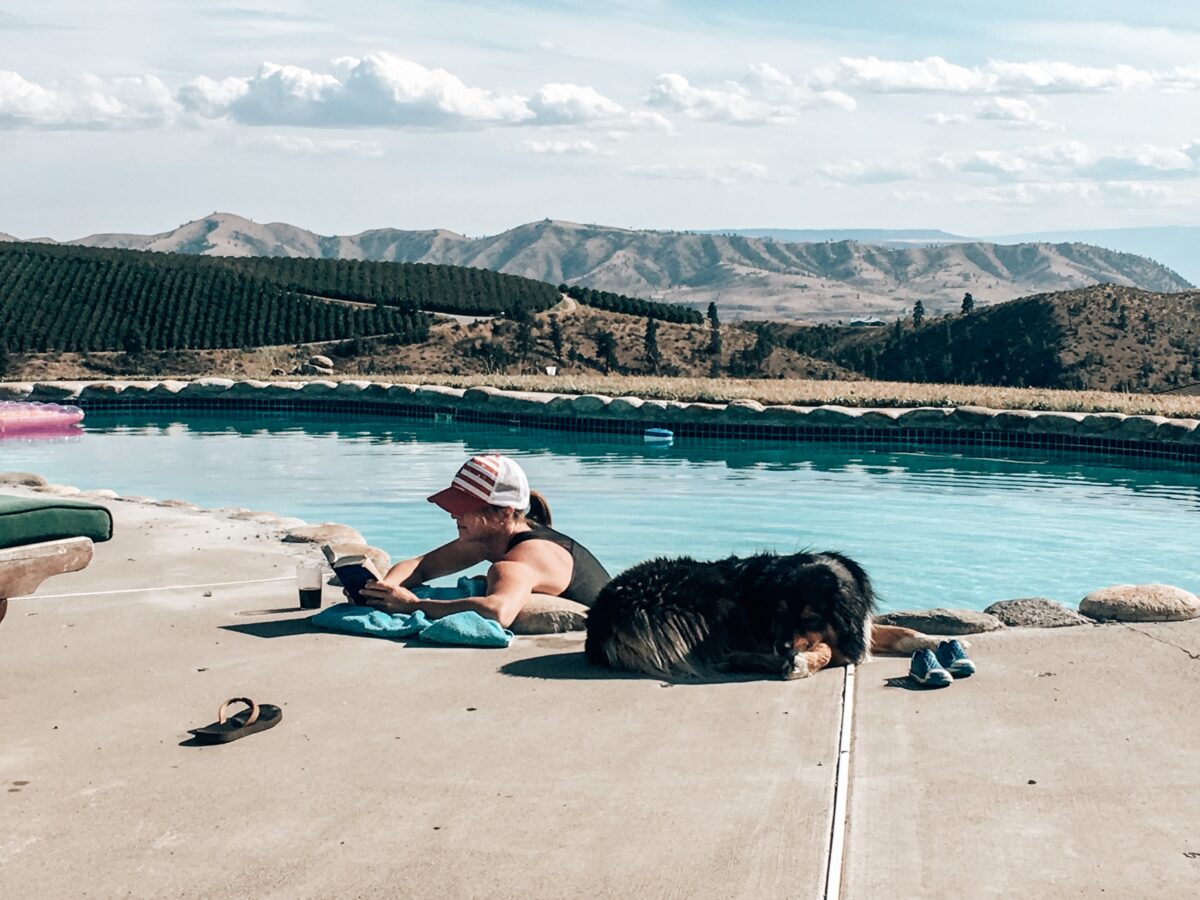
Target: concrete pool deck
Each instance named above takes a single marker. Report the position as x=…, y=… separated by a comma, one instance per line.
x=413, y=770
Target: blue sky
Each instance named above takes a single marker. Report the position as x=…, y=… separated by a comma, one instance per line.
x=973, y=117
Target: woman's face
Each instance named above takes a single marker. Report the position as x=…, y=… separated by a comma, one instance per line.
x=478, y=524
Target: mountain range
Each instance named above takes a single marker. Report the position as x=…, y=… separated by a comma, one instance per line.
x=1175, y=246
x=748, y=277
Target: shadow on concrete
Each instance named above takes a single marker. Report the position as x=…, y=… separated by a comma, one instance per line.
x=196, y=742
x=561, y=665
x=276, y=628
x=575, y=666
x=905, y=682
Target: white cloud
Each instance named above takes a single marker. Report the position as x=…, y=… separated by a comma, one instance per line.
x=1058, y=159
x=1147, y=162
x=733, y=104
x=941, y=118
x=210, y=99
x=86, y=102
x=1118, y=194
x=376, y=90
x=779, y=87
x=727, y=173
x=1060, y=162
x=1062, y=77
x=856, y=172
x=299, y=145
x=651, y=121
x=764, y=96
x=932, y=74
x=937, y=75
x=563, y=103
x=1075, y=161
x=1008, y=112
x=382, y=90
x=561, y=148
x=1005, y=109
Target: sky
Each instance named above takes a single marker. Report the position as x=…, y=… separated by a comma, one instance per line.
x=977, y=118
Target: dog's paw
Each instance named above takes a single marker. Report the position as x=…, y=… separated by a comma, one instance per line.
x=796, y=669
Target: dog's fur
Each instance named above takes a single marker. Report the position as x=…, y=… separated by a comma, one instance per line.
x=787, y=615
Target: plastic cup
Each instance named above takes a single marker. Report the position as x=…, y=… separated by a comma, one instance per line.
x=309, y=582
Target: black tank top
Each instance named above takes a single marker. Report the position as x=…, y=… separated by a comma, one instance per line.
x=587, y=575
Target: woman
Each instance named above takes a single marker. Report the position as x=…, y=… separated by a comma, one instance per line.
x=499, y=520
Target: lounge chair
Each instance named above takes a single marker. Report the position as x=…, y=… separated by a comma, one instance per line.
x=44, y=537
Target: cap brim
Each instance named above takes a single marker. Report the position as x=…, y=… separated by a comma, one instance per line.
x=457, y=502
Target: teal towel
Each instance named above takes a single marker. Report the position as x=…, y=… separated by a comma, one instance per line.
x=364, y=620
x=465, y=628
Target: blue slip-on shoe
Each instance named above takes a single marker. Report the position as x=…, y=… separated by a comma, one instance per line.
x=927, y=671
x=954, y=660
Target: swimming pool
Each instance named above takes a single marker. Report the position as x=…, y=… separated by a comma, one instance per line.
x=932, y=528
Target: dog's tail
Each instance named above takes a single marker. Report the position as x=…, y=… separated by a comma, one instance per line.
x=665, y=645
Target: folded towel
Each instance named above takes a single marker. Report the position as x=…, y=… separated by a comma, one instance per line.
x=354, y=619
x=465, y=628
x=469, y=629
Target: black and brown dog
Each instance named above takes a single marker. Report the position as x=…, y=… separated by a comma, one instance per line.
x=787, y=615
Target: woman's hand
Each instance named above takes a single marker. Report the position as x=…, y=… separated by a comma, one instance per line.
x=389, y=597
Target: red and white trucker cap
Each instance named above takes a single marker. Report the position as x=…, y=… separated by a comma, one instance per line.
x=489, y=480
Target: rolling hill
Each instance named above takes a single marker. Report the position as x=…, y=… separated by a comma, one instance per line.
x=747, y=277
x=1105, y=337
x=56, y=298
x=1176, y=246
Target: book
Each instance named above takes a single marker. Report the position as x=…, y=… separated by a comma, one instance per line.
x=353, y=571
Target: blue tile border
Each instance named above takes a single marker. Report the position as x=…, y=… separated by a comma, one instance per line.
x=879, y=438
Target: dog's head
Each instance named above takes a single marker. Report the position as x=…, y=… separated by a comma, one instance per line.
x=817, y=598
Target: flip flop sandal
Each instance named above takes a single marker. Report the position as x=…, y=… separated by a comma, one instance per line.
x=230, y=728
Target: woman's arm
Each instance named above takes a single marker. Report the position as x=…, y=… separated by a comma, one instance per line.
x=510, y=585
x=531, y=566
x=444, y=560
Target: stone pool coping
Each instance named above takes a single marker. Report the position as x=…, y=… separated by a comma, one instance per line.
x=1109, y=433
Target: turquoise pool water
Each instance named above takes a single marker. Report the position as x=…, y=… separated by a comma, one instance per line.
x=932, y=528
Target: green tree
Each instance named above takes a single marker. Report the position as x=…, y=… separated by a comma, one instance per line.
x=714, y=332
x=650, y=346
x=968, y=304
x=556, y=337
x=520, y=314
x=133, y=341
x=918, y=314
x=606, y=350
x=5, y=359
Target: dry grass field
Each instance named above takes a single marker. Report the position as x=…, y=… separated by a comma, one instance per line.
x=801, y=392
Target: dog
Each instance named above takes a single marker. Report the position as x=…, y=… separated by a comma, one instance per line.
x=787, y=615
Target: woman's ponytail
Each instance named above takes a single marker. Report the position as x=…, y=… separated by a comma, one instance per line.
x=539, y=509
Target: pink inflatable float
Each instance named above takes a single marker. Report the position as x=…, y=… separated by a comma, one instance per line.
x=21, y=418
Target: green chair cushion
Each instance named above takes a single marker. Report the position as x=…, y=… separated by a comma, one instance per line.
x=31, y=520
